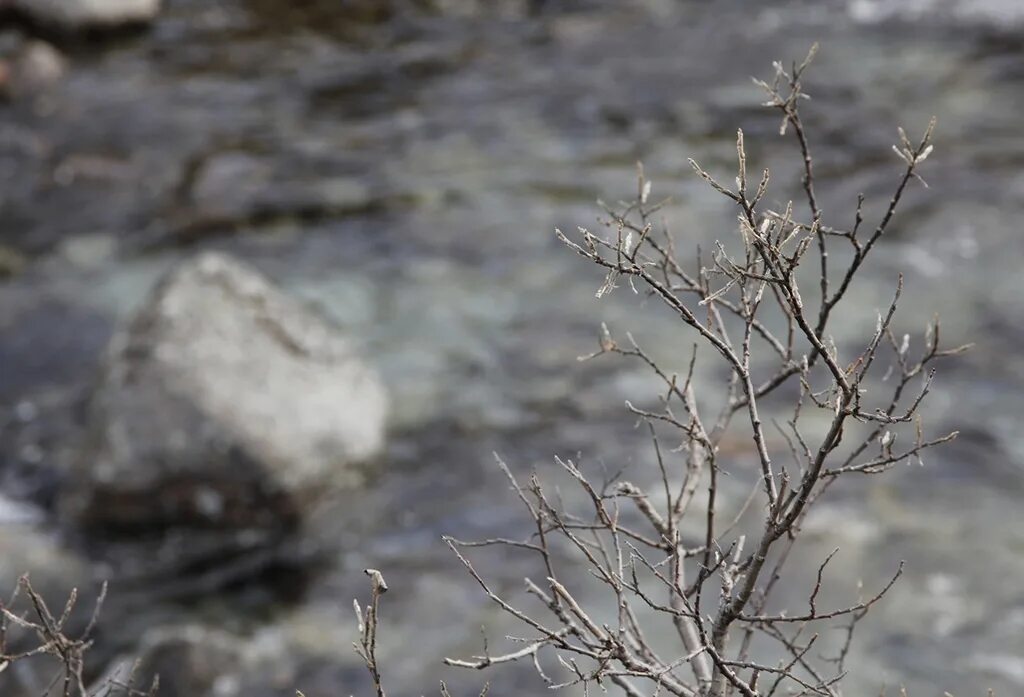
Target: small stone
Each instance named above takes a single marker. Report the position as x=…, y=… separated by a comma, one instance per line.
x=12, y=262
x=81, y=15
x=31, y=453
x=37, y=67
x=89, y=251
x=229, y=186
x=26, y=411
x=190, y=660
x=343, y=193
x=209, y=503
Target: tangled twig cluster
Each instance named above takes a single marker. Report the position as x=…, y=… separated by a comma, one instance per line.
x=45, y=637
x=750, y=302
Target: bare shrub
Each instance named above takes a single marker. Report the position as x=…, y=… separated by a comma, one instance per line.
x=31, y=633
x=751, y=303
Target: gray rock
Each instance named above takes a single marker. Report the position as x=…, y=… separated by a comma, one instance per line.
x=86, y=14
x=189, y=660
x=229, y=186
x=38, y=66
x=197, y=660
x=12, y=262
x=224, y=402
x=235, y=188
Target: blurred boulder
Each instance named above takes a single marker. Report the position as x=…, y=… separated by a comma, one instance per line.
x=188, y=660
x=197, y=660
x=77, y=15
x=224, y=403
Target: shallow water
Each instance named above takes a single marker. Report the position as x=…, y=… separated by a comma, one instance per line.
x=406, y=172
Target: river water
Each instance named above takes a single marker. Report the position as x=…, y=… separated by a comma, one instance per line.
x=405, y=171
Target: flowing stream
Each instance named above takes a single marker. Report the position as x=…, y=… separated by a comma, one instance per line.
x=405, y=171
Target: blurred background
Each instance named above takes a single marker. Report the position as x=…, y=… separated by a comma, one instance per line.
x=401, y=167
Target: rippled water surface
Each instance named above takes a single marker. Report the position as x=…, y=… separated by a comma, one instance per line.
x=405, y=171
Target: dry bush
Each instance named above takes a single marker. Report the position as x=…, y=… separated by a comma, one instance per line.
x=750, y=303
x=31, y=633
